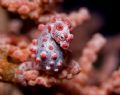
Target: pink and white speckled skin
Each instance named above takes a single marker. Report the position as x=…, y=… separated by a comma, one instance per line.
x=47, y=50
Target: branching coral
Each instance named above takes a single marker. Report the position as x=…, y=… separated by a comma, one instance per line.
x=8, y=70
x=39, y=77
x=47, y=61
x=36, y=9
x=30, y=8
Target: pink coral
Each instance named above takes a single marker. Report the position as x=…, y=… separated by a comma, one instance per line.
x=51, y=63
x=28, y=8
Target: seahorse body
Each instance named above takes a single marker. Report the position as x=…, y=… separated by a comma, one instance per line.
x=48, y=54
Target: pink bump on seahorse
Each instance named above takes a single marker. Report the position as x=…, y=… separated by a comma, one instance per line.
x=55, y=36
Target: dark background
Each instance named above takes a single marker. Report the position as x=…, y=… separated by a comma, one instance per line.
x=108, y=9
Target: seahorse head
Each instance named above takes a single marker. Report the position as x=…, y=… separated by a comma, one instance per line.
x=60, y=29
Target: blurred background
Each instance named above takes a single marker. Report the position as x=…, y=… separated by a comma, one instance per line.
x=108, y=11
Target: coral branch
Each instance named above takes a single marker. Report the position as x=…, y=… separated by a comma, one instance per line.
x=29, y=8
x=36, y=10
x=89, y=54
x=50, y=61
x=112, y=84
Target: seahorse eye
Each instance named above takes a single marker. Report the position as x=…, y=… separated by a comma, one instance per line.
x=62, y=37
x=59, y=27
